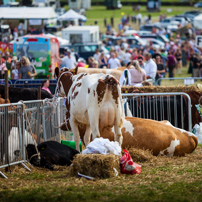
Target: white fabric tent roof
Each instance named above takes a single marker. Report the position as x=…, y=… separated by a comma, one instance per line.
x=72, y=15
x=198, y=21
x=27, y=13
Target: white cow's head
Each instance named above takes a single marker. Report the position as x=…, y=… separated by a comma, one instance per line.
x=64, y=79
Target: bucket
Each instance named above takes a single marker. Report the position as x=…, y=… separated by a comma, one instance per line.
x=71, y=144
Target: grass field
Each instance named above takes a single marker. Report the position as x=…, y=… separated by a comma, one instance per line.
x=162, y=179
x=98, y=13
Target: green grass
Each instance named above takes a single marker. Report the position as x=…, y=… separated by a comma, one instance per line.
x=162, y=179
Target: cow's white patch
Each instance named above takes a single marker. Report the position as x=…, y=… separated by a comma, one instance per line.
x=128, y=127
x=108, y=71
x=170, y=150
x=62, y=91
x=181, y=130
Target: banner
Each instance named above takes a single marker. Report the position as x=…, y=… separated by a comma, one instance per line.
x=10, y=48
x=3, y=47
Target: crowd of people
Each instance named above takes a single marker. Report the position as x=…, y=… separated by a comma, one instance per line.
x=20, y=69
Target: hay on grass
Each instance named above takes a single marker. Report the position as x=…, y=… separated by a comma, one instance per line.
x=96, y=165
x=158, y=89
x=140, y=155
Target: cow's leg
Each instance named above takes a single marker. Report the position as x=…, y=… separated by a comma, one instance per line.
x=87, y=135
x=94, y=122
x=118, y=134
x=75, y=130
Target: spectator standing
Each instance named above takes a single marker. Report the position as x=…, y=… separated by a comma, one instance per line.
x=184, y=55
x=178, y=57
x=113, y=62
x=27, y=71
x=90, y=62
x=120, y=27
x=45, y=85
x=141, y=62
x=95, y=64
x=171, y=64
x=127, y=57
x=15, y=71
x=96, y=56
x=137, y=73
x=150, y=67
x=102, y=60
x=160, y=69
x=3, y=68
x=68, y=61
x=139, y=18
x=196, y=65
x=13, y=64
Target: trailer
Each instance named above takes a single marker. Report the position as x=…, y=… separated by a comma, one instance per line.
x=81, y=34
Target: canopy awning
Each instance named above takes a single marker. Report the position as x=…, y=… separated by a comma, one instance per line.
x=198, y=21
x=27, y=13
x=72, y=15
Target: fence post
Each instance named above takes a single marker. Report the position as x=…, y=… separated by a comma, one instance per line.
x=6, y=88
x=58, y=115
x=44, y=122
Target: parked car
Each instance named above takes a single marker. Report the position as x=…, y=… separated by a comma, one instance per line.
x=195, y=12
x=183, y=21
x=173, y=26
x=155, y=43
x=134, y=41
x=159, y=37
x=165, y=22
x=149, y=27
x=198, y=5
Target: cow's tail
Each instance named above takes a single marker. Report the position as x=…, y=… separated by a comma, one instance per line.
x=114, y=87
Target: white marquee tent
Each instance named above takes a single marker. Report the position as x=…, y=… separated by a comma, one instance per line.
x=72, y=15
x=198, y=22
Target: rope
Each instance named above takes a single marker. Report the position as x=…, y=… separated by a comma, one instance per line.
x=37, y=152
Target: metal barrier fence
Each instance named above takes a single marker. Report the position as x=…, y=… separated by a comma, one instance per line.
x=174, y=107
x=39, y=119
x=24, y=123
x=2, y=82
x=178, y=81
x=34, y=83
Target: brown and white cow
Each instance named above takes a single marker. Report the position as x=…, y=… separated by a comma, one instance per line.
x=93, y=100
x=160, y=137
x=114, y=72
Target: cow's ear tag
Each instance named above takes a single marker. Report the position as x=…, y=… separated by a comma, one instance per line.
x=42, y=148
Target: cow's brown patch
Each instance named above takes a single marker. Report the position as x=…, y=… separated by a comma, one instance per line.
x=80, y=77
x=68, y=108
x=100, y=90
x=66, y=80
x=74, y=96
x=76, y=85
x=112, y=85
x=88, y=90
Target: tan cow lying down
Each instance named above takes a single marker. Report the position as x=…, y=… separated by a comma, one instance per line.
x=160, y=137
x=113, y=72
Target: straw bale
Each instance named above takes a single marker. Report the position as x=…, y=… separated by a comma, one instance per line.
x=140, y=155
x=158, y=89
x=96, y=165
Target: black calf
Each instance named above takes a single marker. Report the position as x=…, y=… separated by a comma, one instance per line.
x=51, y=153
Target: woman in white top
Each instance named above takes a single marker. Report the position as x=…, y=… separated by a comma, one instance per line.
x=137, y=73
x=14, y=73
